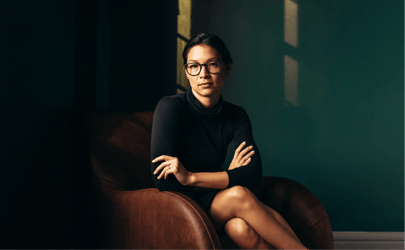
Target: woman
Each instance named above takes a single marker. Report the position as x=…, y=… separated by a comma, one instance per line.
x=190, y=135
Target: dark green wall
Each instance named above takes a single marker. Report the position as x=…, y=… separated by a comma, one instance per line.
x=344, y=141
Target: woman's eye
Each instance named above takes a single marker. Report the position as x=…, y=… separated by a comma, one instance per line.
x=214, y=64
x=193, y=66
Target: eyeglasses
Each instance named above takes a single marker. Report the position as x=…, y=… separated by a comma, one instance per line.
x=212, y=67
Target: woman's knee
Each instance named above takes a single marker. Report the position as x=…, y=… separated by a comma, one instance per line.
x=239, y=230
x=241, y=196
x=229, y=203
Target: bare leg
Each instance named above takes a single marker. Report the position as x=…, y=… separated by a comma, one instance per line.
x=281, y=220
x=241, y=202
x=244, y=235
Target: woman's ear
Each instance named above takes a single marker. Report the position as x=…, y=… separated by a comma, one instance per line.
x=227, y=69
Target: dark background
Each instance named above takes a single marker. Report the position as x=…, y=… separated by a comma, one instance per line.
x=62, y=59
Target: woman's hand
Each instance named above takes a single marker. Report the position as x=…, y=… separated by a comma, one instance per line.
x=172, y=165
x=241, y=158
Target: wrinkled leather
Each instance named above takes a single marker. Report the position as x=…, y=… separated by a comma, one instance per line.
x=131, y=213
x=149, y=219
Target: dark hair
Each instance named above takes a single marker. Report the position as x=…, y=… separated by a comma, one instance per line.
x=210, y=40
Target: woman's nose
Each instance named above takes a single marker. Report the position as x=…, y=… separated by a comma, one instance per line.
x=204, y=72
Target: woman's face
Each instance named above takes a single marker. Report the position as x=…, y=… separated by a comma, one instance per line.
x=207, y=84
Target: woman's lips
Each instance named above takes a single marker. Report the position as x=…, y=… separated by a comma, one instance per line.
x=206, y=84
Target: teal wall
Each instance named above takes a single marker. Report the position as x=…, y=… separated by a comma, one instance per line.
x=344, y=140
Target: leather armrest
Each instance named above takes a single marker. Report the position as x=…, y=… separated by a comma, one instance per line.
x=150, y=219
x=300, y=208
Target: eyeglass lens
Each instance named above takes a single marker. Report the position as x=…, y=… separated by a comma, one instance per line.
x=195, y=68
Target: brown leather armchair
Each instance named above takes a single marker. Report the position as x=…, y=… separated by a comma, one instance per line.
x=130, y=212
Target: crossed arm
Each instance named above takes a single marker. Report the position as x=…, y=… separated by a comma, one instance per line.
x=213, y=180
x=170, y=175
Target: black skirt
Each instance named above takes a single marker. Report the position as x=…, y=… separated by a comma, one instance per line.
x=204, y=199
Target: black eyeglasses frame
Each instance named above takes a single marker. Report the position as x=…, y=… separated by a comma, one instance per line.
x=201, y=64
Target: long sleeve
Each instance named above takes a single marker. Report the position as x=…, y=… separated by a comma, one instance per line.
x=251, y=174
x=166, y=130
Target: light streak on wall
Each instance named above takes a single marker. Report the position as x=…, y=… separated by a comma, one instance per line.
x=183, y=35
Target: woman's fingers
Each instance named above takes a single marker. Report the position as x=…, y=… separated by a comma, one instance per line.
x=239, y=149
x=248, y=155
x=172, y=165
x=163, y=173
x=247, y=161
x=165, y=158
x=157, y=159
x=162, y=158
x=244, y=156
x=238, y=152
x=168, y=171
x=241, y=157
x=162, y=166
x=243, y=152
x=246, y=150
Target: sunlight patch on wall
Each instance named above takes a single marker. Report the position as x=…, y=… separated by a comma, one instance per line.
x=183, y=35
x=291, y=22
x=290, y=80
x=290, y=61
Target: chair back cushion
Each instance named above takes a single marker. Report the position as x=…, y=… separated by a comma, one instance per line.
x=120, y=147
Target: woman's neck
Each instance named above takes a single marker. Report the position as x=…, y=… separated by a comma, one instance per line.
x=207, y=102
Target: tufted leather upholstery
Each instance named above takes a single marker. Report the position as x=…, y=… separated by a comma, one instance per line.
x=130, y=212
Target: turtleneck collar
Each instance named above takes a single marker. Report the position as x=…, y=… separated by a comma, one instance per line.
x=196, y=105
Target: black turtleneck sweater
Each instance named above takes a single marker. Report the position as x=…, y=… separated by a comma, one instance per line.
x=199, y=138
